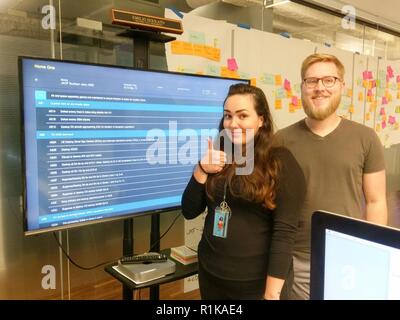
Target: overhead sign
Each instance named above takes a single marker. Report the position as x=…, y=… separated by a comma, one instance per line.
x=146, y=22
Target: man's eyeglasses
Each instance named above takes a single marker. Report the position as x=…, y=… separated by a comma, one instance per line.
x=328, y=82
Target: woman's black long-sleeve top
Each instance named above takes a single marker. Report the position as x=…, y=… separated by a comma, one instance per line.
x=259, y=241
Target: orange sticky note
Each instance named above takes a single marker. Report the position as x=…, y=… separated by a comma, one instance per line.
x=367, y=116
x=253, y=82
x=398, y=95
x=360, y=96
x=181, y=47
x=278, y=104
x=351, y=109
x=198, y=50
x=278, y=80
x=292, y=108
x=349, y=92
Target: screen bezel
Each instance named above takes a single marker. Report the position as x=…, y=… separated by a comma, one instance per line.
x=325, y=220
x=23, y=144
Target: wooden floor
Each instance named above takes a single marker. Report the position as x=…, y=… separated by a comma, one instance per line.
x=112, y=290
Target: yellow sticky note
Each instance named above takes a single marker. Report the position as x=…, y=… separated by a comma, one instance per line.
x=360, y=96
x=225, y=72
x=372, y=106
x=292, y=108
x=349, y=93
x=278, y=104
x=253, y=82
x=278, y=80
x=365, y=83
x=351, y=109
x=398, y=95
x=367, y=116
x=212, y=53
x=378, y=127
x=181, y=47
x=198, y=50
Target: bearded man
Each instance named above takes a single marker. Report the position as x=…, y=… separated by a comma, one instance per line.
x=342, y=160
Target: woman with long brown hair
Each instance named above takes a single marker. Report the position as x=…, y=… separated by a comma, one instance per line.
x=253, y=192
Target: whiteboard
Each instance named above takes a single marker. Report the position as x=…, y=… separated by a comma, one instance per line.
x=271, y=60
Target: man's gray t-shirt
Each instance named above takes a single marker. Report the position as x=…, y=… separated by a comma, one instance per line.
x=333, y=167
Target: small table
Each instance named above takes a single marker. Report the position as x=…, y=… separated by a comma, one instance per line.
x=182, y=271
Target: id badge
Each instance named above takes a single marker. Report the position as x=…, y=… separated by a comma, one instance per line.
x=221, y=220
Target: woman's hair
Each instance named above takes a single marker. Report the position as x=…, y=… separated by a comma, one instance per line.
x=261, y=184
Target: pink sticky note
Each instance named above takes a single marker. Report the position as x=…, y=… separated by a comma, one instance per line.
x=286, y=84
x=392, y=120
x=384, y=100
x=383, y=124
x=389, y=71
x=232, y=65
x=369, y=74
x=382, y=112
x=369, y=93
x=295, y=101
x=398, y=79
x=373, y=83
x=365, y=75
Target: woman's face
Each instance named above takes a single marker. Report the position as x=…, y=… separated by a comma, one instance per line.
x=240, y=118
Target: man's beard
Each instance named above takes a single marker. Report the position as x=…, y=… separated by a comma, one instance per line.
x=320, y=113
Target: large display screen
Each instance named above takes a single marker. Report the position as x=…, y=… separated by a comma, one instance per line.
x=104, y=142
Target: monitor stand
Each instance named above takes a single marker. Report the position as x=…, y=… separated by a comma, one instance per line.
x=141, y=42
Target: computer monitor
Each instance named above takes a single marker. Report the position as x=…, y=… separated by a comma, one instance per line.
x=353, y=259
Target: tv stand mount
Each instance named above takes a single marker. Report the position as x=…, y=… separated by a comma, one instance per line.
x=141, y=42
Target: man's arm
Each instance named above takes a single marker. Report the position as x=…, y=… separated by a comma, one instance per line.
x=374, y=187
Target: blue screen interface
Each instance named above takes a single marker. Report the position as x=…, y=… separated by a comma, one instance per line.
x=103, y=142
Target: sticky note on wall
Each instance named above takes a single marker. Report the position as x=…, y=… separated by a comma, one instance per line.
x=232, y=65
x=286, y=85
x=278, y=80
x=278, y=104
x=392, y=120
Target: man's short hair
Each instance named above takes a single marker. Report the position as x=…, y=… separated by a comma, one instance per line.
x=322, y=57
